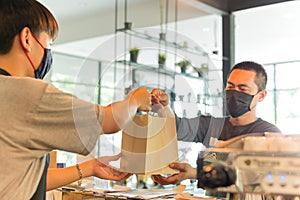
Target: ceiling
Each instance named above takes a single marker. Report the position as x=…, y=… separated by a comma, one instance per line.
x=86, y=23
x=82, y=19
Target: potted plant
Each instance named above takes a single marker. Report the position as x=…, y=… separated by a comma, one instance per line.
x=183, y=65
x=134, y=52
x=162, y=60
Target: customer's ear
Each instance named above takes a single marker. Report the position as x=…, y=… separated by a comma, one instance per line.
x=25, y=39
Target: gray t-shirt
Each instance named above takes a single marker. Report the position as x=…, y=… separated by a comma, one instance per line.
x=202, y=128
x=35, y=119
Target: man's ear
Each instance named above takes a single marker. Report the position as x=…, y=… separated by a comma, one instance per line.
x=262, y=94
x=25, y=38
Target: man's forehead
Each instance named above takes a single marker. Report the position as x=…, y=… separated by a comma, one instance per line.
x=242, y=76
x=240, y=73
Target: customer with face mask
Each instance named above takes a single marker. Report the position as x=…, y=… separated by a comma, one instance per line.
x=246, y=87
x=37, y=118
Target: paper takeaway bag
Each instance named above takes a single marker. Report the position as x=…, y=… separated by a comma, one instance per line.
x=149, y=144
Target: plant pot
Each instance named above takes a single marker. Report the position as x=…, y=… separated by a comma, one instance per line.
x=183, y=69
x=183, y=65
x=133, y=57
x=127, y=25
x=161, y=60
x=162, y=36
x=161, y=64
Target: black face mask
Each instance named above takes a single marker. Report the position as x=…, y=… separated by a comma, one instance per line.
x=45, y=65
x=238, y=103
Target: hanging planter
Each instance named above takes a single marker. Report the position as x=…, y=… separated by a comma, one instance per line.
x=162, y=36
x=128, y=25
x=134, y=52
x=162, y=60
x=183, y=65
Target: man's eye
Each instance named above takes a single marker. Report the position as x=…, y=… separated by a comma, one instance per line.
x=244, y=89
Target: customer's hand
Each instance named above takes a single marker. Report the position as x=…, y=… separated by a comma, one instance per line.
x=100, y=168
x=142, y=98
x=186, y=171
x=159, y=99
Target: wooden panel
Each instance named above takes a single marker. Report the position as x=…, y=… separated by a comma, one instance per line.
x=235, y=5
x=219, y=4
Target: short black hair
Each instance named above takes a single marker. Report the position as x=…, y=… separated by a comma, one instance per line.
x=261, y=75
x=17, y=14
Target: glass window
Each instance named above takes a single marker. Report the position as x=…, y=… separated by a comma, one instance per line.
x=79, y=76
x=270, y=35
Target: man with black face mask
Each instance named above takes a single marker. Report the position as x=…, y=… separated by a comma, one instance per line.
x=246, y=86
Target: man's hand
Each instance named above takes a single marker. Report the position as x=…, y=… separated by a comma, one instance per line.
x=186, y=171
x=159, y=99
